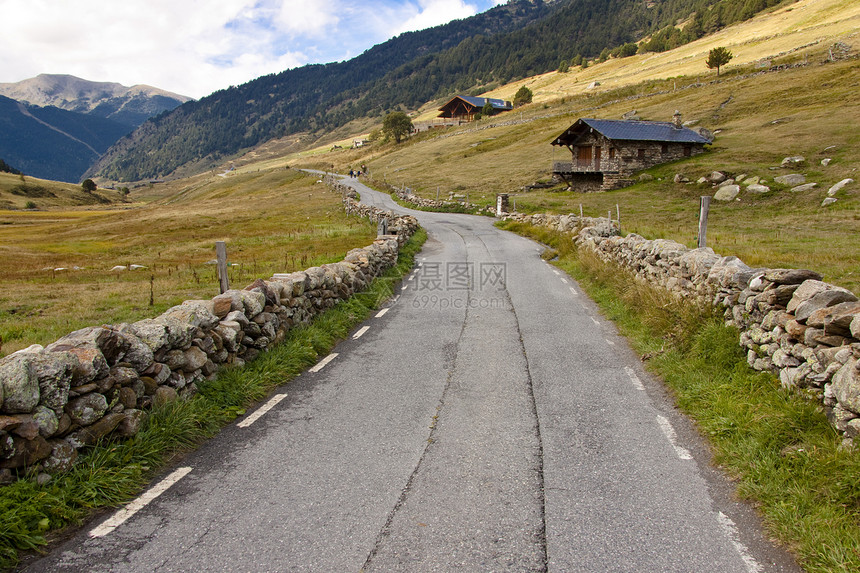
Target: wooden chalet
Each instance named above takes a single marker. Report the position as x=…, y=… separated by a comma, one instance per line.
x=464, y=108
x=605, y=153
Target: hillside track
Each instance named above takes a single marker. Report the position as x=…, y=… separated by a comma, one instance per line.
x=486, y=419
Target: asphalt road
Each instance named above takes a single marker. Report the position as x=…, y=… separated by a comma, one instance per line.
x=488, y=420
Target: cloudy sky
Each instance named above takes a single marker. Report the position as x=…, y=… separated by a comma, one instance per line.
x=194, y=47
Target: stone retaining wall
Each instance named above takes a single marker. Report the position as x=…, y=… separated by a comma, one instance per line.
x=100, y=380
x=791, y=323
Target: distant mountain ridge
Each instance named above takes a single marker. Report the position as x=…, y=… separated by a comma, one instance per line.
x=56, y=126
x=126, y=105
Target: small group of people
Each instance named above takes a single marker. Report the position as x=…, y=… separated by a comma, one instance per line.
x=357, y=173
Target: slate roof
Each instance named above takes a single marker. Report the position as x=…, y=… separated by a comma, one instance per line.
x=480, y=101
x=631, y=130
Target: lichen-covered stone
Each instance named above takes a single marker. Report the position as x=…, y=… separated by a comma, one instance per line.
x=86, y=409
x=19, y=386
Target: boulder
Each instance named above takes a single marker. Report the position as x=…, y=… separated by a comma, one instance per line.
x=131, y=423
x=717, y=177
x=47, y=421
x=727, y=193
x=804, y=187
x=197, y=313
x=790, y=276
x=824, y=299
x=839, y=186
x=55, y=372
x=835, y=319
x=62, y=457
x=758, y=188
x=789, y=162
x=19, y=386
x=806, y=291
x=846, y=386
x=828, y=201
x=792, y=179
x=93, y=433
x=163, y=395
x=194, y=359
x=108, y=340
x=272, y=295
x=86, y=409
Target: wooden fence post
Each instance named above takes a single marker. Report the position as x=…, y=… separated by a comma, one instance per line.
x=221, y=265
x=704, y=207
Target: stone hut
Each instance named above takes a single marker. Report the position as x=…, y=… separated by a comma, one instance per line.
x=605, y=153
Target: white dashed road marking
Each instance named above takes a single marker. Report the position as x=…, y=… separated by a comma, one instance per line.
x=322, y=363
x=360, y=332
x=732, y=531
x=637, y=383
x=261, y=411
x=573, y=291
x=595, y=321
x=125, y=513
x=382, y=312
x=669, y=432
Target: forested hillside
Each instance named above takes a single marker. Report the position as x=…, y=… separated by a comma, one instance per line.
x=52, y=143
x=515, y=40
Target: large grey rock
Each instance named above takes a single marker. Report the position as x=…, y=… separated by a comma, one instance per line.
x=846, y=386
x=62, y=457
x=717, y=177
x=163, y=332
x=272, y=295
x=727, y=193
x=194, y=359
x=758, y=188
x=790, y=276
x=839, y=186
x=804, y=187
x=835, y=319
x=792, y=179
x=110, y=342
x=47, y=421
x=855, y=327
x=86, y=409
x=55, y=372
x=19, y=386
x=792, y=161
x=824, y=299
x=137, y=353
x=197, y=313
x=254, y=301
x=807, y=289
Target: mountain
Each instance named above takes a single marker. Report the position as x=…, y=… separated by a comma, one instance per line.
x=129, y=106
x=52, y=143
x=515, y=40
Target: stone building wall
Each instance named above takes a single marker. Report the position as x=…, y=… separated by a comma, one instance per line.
x=101, y=380
x=791, y=322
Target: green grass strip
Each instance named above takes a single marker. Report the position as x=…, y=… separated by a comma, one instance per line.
x=778, y=447
x=114, y=472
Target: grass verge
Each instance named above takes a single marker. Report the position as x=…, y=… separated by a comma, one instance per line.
x=113, y=472
x=779, y=449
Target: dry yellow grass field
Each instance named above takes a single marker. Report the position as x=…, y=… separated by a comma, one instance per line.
x=272, y=221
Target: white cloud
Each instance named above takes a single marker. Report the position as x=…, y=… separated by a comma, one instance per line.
x=435, y=12
x=194, y=47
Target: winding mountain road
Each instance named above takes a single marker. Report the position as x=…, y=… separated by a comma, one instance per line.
x=487, y=419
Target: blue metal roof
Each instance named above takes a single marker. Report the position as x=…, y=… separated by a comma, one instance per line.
x=632, y=130
x=480, y=101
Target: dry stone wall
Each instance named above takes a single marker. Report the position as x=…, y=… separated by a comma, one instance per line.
x=101, y=380
x=791, y=322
